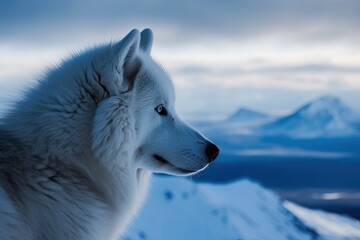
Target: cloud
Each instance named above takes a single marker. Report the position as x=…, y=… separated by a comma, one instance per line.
x=308, y=76
x=179, y=22
x=290, y=68
x=220, y=53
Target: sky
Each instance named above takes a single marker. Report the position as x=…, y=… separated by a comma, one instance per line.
x=269, y=55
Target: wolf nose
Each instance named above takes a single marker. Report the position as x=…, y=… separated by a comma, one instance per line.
x=212, y=151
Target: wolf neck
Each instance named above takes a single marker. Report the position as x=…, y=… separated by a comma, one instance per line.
x=58, y=119
x=60, y=123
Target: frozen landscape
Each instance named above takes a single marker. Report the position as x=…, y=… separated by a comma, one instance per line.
x=303, y=156
x=179, y=208
x=310, y=156
x=324, y=117
x=253, y=83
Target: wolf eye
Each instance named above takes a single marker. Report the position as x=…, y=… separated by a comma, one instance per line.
x=161, y=110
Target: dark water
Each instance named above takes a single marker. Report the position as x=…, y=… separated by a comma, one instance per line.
x=301, y=180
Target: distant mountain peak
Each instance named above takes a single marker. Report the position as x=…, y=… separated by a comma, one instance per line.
x=332, y=105
x=246, y=114
x=324, y=116
x=328, y=98
x=326, y=102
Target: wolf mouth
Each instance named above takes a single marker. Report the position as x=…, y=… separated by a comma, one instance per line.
x=164, y=161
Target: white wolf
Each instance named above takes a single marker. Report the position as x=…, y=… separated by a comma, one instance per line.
x=77, y=152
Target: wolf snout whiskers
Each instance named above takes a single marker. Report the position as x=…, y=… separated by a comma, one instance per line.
x=165, y=162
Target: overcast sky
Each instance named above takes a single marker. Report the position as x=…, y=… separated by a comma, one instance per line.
x=268, y=55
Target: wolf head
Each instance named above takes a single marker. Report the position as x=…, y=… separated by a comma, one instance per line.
x=138, y=118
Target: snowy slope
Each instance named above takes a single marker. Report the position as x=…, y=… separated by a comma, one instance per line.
x=178, y=208
x=324, y=117
x=328, y=225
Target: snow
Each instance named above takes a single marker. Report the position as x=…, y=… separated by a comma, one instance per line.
x=253, y=211
x=329, y=225
x=179, y=208
x=176, y=210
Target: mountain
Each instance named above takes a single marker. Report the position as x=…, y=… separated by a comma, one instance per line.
x=240, y=122
x=326, y=116
x=179, y=208
x=246, y=114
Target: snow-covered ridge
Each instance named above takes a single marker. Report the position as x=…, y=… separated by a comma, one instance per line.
x=179, y=208
x=328, y=225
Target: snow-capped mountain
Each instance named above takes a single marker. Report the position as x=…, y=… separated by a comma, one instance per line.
x=324, y=117
x=245, y=115
x=178, y=208
x=240, y=122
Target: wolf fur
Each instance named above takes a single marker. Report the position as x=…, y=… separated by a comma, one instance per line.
x=77, y=152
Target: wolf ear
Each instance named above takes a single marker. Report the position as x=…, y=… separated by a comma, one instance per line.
x=126, y=60
x=146, y=40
